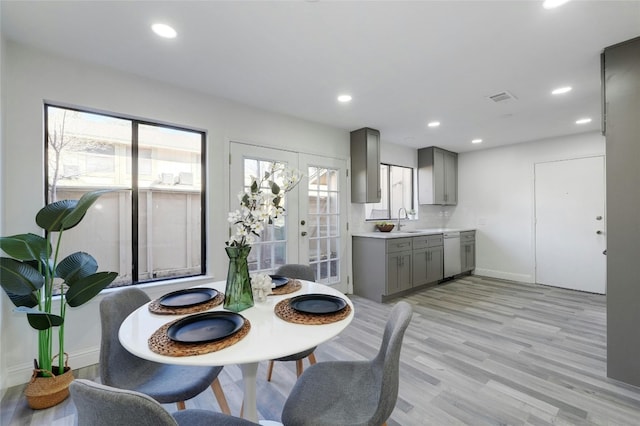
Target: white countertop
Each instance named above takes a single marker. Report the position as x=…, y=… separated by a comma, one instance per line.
x=410, y=232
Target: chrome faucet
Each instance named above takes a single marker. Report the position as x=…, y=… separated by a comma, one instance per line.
x=405, y=217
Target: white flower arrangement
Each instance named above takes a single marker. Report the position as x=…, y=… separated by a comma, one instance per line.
x=262, y=286
x=261, y=204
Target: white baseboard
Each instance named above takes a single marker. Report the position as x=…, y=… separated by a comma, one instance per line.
x=21, y=374
x=526, y=278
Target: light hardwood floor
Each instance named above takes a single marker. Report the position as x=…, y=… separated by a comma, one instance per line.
x=478, y=351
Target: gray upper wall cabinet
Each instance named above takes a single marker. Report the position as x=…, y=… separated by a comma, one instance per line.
x=437, y=176
x=365, y=166
x=621, y=79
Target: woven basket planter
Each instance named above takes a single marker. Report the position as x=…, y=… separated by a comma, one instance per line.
x=45, y=392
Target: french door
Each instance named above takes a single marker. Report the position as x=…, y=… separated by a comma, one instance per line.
x=313, y=228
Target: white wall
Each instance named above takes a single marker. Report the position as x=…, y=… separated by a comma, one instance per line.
x=30, y=77
x=496, y=195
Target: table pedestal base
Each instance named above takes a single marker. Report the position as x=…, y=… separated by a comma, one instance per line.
x=249, y=376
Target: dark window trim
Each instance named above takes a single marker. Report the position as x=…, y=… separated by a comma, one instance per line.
x=135, y=122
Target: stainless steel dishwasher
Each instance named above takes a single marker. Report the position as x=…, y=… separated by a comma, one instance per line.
x=452, y=262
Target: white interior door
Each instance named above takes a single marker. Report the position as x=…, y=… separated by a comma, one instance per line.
x=570, y=224
x=313, y=230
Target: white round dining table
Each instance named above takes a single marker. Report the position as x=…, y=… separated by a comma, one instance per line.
x=270, y=337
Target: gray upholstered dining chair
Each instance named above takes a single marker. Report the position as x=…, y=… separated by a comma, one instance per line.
x=355, y=393
x=101, y=405
x=301, y=272
x=163, y=382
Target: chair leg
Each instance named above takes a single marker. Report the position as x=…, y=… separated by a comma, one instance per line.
x=180, y=405
x=219, y=394
x=299, y=367
x=242, y=409
x=270, y=370
x=312, y=358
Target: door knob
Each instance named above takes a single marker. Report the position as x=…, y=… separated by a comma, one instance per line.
x=303, y=233
x=599, y=232
x=604, y=252
x=302, y=222
x=598, y=217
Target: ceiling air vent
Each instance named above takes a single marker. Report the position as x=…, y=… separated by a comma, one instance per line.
x=502, y=96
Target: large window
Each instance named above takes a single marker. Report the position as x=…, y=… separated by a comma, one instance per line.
x=396, y=184
x=151, y=226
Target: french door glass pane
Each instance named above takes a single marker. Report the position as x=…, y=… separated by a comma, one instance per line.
x=269, y=251
x=323, y=218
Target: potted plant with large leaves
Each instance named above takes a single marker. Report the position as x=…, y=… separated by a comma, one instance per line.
x=33, y=276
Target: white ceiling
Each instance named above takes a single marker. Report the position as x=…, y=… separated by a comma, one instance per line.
x=404, y=63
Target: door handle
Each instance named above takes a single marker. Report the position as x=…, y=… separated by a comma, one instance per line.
x=303, y=233
x=599, y=232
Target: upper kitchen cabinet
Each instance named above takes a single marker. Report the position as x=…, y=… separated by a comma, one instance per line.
x=437, y=176
x=365, y=166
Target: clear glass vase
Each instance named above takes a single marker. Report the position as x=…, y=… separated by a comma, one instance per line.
x=238, y=295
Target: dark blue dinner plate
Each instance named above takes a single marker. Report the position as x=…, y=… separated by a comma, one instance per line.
x=187, y=297
x=279, y=280
x=317, y=303
x=205, y=327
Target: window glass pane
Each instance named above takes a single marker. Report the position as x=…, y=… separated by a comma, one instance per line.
x=86, y=152
x=396, y=183
x=172, y=193
x=380, y=210
x=401, y=194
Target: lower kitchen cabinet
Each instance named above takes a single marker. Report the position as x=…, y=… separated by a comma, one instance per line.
x=468, y=250
x=428, y=259
x=381, y=267
x=398, y=271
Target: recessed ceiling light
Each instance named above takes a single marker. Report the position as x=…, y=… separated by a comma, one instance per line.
x=561, y=90
x=344, y=98
x=433, y=124
x=164, y=30
x=583, y=121
x=552, y=4
x=476, y=141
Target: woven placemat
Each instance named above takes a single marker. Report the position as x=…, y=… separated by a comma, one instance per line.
x=287, y=313
x=290, y=287
x=156, y=308
x=160, y=343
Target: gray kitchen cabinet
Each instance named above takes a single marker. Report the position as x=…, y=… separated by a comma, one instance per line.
x=399, y=271
x=437, y=176
x=428, y=259
x=365, y=166
x=381, y=267
x=468, y=250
